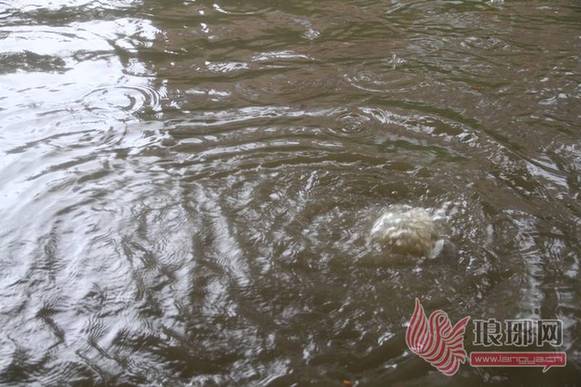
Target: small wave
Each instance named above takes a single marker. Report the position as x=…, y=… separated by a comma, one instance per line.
x=126, y=98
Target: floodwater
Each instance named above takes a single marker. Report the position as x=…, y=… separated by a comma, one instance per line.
x=187, y=188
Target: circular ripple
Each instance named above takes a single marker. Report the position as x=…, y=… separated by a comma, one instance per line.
x=130, y=99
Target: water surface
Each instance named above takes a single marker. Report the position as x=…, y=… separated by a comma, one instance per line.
x=187, y=187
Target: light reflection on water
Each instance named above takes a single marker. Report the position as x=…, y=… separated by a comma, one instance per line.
x=187, y=188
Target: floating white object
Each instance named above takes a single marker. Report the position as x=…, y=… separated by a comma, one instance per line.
x=408, y=230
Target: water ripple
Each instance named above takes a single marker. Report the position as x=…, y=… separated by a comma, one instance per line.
x=188, y=188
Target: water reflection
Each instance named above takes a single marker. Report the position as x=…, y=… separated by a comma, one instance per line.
x=188, y=187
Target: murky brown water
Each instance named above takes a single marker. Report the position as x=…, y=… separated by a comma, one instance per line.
x=187, y=188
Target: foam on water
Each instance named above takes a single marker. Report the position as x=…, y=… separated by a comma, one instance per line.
x=410, y=230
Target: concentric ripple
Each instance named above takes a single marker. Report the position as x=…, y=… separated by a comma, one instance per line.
x=189, y=189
